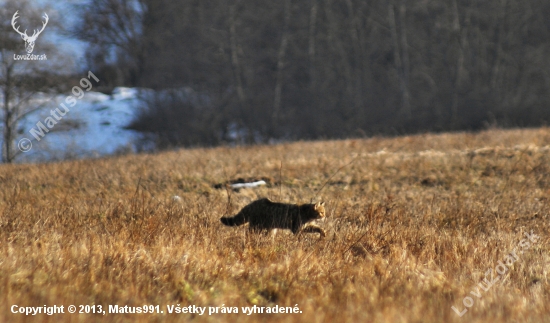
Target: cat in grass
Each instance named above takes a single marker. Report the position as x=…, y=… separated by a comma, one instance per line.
x=265, y=214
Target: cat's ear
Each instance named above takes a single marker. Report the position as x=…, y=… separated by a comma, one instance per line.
x=319, y=204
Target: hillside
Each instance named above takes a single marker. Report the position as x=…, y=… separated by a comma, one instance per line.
x=413, y=226
x=94, y=127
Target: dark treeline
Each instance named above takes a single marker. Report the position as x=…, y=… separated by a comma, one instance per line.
x=290, y=69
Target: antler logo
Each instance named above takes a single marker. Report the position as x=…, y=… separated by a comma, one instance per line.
x=29, y=41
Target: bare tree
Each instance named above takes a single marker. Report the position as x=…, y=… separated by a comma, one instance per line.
x=325, y=68
x=20, y=79
x=114, y=28
x=461, y=32
x=311, y=43
x=234, y=49
x=281, y=61
x=401, y=54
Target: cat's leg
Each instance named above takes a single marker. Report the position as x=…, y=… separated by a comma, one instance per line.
x=253, y=229
x=259, y=230
x=295, y=227
x=255, y=234
x=273, y=233
x=314, y=229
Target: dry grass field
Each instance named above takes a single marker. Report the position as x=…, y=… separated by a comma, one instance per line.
x=413, y=225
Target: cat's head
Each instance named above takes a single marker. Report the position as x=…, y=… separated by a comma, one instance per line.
x=319, y=209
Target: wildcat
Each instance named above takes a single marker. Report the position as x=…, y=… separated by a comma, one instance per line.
x=265, y=214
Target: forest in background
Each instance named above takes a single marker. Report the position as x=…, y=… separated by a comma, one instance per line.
x=254, y=71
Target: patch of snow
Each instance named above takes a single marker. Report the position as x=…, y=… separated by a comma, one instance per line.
x=95, y=97
x=124, y=93
x=248, y=185
x=93, y=127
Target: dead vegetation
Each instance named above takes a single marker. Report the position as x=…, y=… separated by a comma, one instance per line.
x=413, y=224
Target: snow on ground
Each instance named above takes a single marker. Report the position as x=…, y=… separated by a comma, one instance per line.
x=93, y=127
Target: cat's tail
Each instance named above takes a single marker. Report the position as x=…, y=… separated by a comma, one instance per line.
x=234, y=221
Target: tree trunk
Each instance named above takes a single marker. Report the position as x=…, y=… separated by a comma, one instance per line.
x=7, y=146
x=358, y=70
x=462, y=34
x=335, y=42
x=281, y=64
x=498, y=43
x=401, y=64
x=406, y=65
x=234, y=50
x=311, y=48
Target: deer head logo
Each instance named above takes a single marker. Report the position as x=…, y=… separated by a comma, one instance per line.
x=29, y=40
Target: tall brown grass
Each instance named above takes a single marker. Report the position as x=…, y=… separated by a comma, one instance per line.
x=413, y=224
